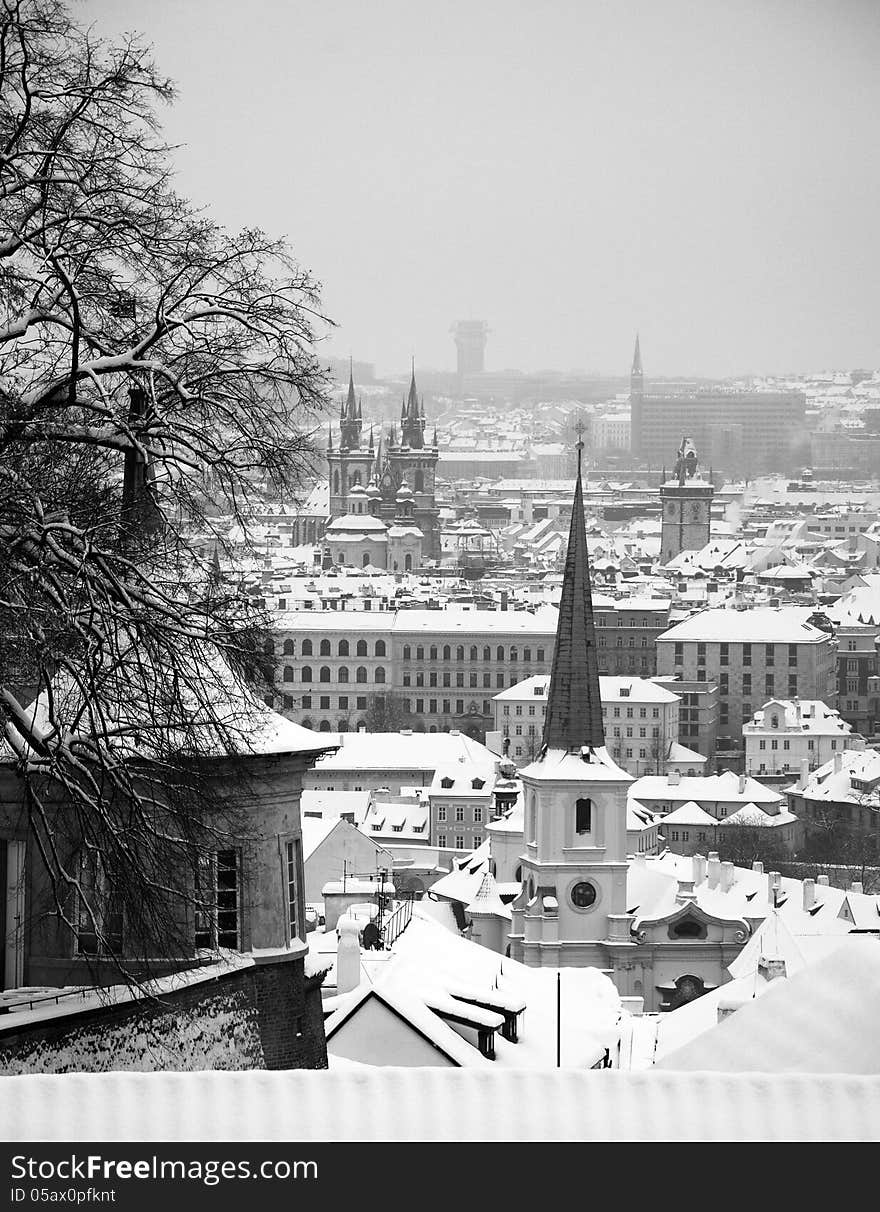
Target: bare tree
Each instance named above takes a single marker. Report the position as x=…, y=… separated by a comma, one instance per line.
x=155, y=371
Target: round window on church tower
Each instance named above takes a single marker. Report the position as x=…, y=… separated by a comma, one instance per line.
x=583, y=895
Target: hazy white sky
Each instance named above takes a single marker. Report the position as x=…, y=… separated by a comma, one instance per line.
x=706, y=171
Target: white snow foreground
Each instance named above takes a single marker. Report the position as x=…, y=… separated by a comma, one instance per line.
x=439, y=1105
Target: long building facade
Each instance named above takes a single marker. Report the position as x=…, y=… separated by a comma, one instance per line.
x=437, y=669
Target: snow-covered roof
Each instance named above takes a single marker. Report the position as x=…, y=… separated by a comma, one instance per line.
x=810, y=716
x=821, y=1020
x=406, y=751
x=484, y=1103
x=690, y=813
x=612, y=689
x=725, y=787
x=762, y=625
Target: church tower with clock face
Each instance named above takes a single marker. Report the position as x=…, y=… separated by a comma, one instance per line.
x=686, y=506
x=573, y=901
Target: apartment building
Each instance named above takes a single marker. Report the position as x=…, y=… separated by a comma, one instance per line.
x=440, y=669
x=786, y=733
x=752, y=656
x=640, y=719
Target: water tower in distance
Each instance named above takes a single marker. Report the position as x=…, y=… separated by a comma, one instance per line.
x=470, y=344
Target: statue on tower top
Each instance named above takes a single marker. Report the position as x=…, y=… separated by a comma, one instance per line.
x=686, y=464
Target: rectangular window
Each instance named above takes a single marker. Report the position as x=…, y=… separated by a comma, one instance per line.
x=217, y=890
x=99, y=916
x=747, y=654
x=459, y=812
x=678, y=654
x=478, y=815
x=441, y=812
x=362, y=703
x=294, y=862
x=441, y=840
x=459, y=841
x=343, y=701
x=478, y=840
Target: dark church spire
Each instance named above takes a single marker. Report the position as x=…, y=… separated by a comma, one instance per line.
x=574, y=706
x=413, y=418
x=637, y=358
x=351, y=419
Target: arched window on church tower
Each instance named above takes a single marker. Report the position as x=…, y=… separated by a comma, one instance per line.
x=420, y=481
x=583, y=816
x=336, y=482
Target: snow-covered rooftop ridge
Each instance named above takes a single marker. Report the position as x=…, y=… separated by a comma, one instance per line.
x=196, y=706
x=440, y=1105
x=613, y=688
x=760, y=624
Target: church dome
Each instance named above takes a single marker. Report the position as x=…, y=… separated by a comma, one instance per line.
x=404, y=493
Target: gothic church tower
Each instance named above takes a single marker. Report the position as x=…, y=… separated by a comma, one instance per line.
x=573, y=901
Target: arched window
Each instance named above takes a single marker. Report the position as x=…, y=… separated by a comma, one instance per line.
x=459, y=653
x=499, y=655
x=340, y=560
x=407, y=652
x=527, y=655
x=420, y=653
x=361, y=674
x=407, y=563
x=583, y=816
x=365, y=559
x=324, y=726
x=325, y=647
x=513, y=655
x=487, y=653
x=362, y=647
x=307, y=648
x=343, y=648
x=380, y=674
x=354, y=478
x=361, y=726
x=419, y=481
x=433, y=652
x=380, y=648
x=306, y=673
x=307, y=723
x=288, y=673
x=324, y=674
x=447, y=652
x=343, y=673
x=342, y=726
x=289, y=648
x=268, y=648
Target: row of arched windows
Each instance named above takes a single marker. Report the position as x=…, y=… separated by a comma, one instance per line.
x=473, y=653
x=325, y=648
x=342, y=674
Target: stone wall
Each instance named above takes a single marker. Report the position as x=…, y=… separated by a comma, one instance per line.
x=263, y=1016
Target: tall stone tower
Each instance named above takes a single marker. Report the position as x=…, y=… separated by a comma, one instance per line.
x=350, y=463
x=470, y=346
x=573, y=902
x=636, y=396
x=686, y=506
x=411, y=461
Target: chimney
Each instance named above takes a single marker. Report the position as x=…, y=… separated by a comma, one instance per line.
x=822, y=881
x=348, y=954
x=774, y=880
x=758, y=867
x=727, y=876
x=742, y=783
x=804, y=775
x=838, y=762
x=856, y=886
x=699, y=862
x=673, y=778
x=771, y=969
x=685, y=892
x=809, y=895
x=714, y=868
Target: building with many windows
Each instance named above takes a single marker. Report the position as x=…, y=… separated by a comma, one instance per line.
x=438, y=669
x=752, y=656
x=640, y=719
x=786, y=733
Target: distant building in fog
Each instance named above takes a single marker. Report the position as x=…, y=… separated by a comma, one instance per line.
x=743, y=432
x=470, y=344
